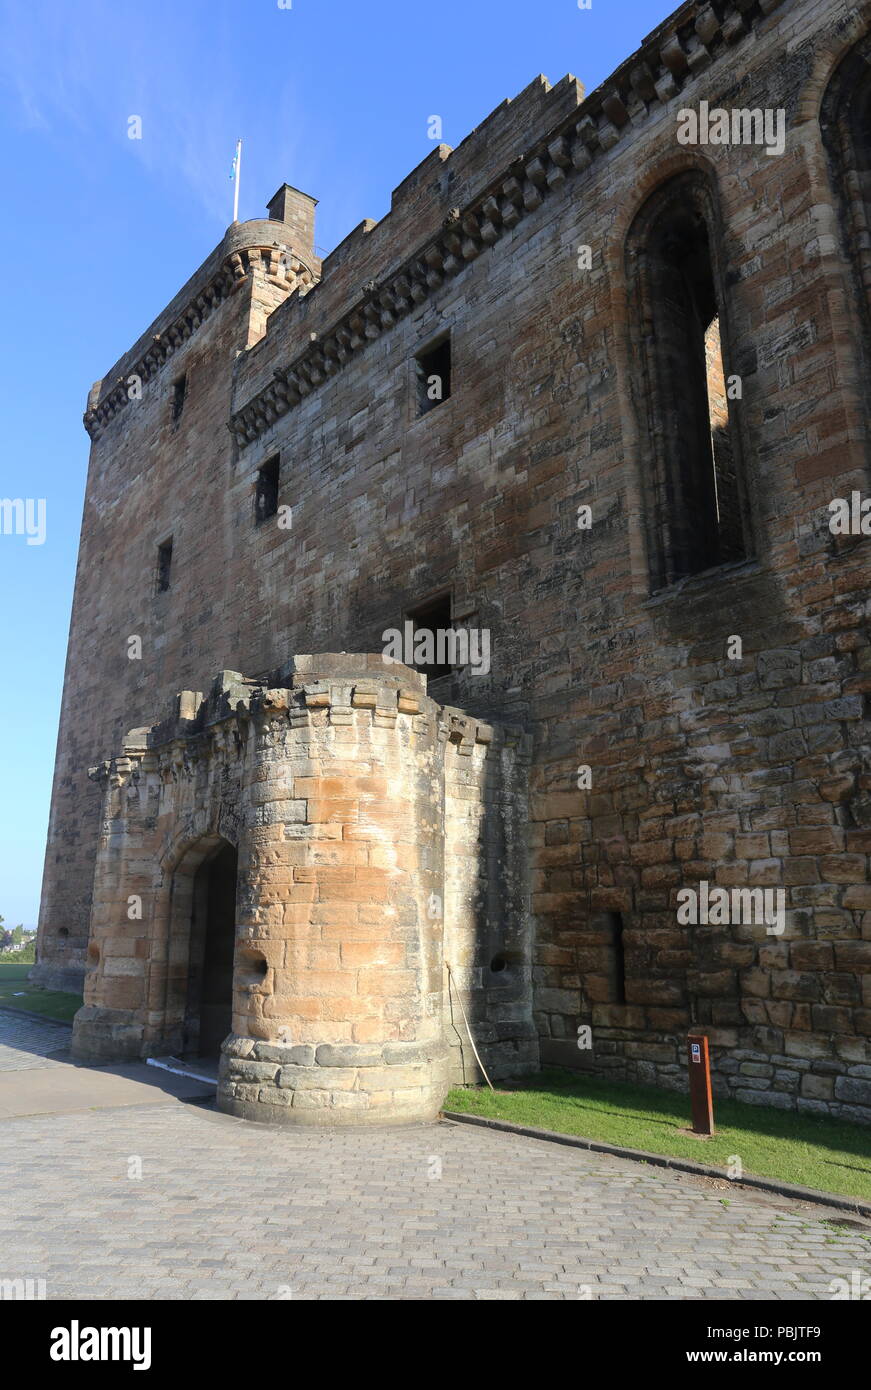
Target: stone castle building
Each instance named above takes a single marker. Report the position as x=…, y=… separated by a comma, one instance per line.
x=585, y=396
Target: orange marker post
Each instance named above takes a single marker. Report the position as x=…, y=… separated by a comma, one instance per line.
x=701, y=1099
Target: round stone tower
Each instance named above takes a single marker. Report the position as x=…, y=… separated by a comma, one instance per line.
x=337, y=1007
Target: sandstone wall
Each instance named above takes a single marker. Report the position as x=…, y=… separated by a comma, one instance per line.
x=488, y=940
x=738, y=771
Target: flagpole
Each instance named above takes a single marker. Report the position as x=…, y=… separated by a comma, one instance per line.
x=237, y=165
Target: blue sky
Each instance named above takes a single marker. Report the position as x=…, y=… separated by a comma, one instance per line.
x=100, y=231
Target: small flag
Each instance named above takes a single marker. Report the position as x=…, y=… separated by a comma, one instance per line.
x=233, y=166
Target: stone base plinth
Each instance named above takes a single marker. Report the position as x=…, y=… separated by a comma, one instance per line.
x=49, y=975
x=106, y=1035
x=326, y=1084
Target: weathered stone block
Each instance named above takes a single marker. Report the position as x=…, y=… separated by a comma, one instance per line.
x=348, y=1055
x=856, y=1092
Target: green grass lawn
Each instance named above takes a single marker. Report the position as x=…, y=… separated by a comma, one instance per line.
x=16, y=993
x=810, y=1150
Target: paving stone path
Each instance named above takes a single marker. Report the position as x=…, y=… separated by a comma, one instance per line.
x=229, y=1210
x=26, y=1042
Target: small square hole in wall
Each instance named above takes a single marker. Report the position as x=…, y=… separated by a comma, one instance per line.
x=504, y=968
x=179, y=390
x=433, y=618
x=266, y=497
x=164, y=565
x=433, y=370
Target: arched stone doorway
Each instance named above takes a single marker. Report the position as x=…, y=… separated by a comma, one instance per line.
x=208, y=1004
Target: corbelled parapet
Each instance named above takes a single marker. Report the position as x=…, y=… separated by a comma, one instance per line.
x=351, y=798
x=280, y=252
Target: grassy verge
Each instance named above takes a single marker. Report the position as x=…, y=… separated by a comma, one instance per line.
x=811, y=1150
x=16, y=993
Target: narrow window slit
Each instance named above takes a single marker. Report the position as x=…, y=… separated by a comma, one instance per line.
x=179, y=390
x=164, y=565
x=433, y=369
x=266, y=500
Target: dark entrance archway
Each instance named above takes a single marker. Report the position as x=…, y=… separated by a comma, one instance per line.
x=208, y=1015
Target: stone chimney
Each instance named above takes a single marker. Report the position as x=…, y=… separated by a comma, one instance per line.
x=297, y=211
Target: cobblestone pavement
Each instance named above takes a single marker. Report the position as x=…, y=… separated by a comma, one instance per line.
x=26, y=1042
x=229, y=1210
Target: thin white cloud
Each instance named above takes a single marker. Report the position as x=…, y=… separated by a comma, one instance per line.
x=90, y=67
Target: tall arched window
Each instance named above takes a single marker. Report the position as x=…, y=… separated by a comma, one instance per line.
x=695, y=508
x=845, y=126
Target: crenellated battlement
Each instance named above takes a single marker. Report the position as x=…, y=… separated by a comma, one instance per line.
x=200, y=724
x=470, y=198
